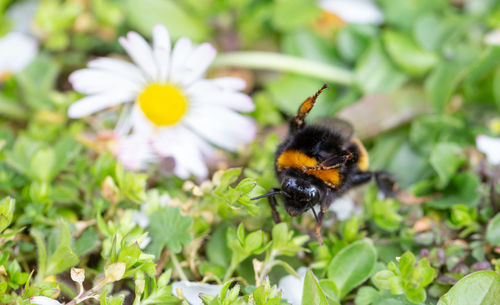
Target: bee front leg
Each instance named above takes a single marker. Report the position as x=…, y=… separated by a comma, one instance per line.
x=319, y=224
x=273, y=204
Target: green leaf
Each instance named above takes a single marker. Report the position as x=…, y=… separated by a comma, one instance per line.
x=352, y=266
x=312, y=293
x=382, y=279
x=407, y=55
x=132, y=185
x=7, y=207
x=145, y=14
x=366, y=295
x=462, y=189
x=307, y=44
x=301, y=10
x=329, y=288
x=432, y=31
x=129, y=255
x=442, y=82
x=375, y=73
x=353, y=40
x=479, y=288
x=403, y=14
x=42, y=164
x=217, y=250
x=496, y=87
x=37, y=80
x=226, y=179
x=406, y=263
x=88, y=241
x=253, y=241
x=416, y=296
x=168, y=228
x=63, y=258
x=492, y=231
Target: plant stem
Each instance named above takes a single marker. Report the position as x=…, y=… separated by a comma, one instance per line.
x=178, y=267
x=88, y=294
x=229, y=271
x=268, y=265
x=285, y=63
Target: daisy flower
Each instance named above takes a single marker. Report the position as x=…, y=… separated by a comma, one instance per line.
x=18, y=48
x=354, y=11
x=490, y=147
x=175, y=111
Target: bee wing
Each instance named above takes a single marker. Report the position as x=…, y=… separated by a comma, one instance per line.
x=339, y=126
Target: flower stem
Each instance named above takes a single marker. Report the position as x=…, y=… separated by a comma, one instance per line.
x=178, y=267
x=285, y=63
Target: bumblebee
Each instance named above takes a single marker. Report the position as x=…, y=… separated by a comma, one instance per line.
x=317, y=163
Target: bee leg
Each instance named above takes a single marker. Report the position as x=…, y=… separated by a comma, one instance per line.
x=385, y=182
x=321, y=216
x=273, y=204
x=305, y=107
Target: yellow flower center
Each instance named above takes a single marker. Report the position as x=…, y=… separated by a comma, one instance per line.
x=163, y=105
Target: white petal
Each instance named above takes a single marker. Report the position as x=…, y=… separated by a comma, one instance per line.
x=161, y=50
x=17, y=50
x=22, y=14
x=234, y=83
x=221, y=91
x=141, y=124
x=354, y=11
x=233, y=100
x=198, y=62
x=141, y=53
x=181, y=52
x=135, y=152
x=292, y=287
x=94, y=103
x=118, y=66
x=490, y=147
x=192, y=291
x=185, y=147
x=221, y=126
x=40, y=300
x=92, y=81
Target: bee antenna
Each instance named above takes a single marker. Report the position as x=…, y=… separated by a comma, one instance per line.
x=314, y=212
x=281, y=192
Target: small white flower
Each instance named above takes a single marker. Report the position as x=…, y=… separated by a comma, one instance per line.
x=18, y=48
x=354, y=11
x=44, y=301
x=292, y=287
x=490, y=147
x=192, y=291
x=176, y=112
x=492, y=37
x=343, y=207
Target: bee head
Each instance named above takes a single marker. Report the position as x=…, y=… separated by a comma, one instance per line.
x=300, y=195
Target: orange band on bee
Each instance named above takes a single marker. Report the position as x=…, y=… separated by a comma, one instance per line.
x=363, y=160
x=299, y=160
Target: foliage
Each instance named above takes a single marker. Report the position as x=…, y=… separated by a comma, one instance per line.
x=418, y=88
